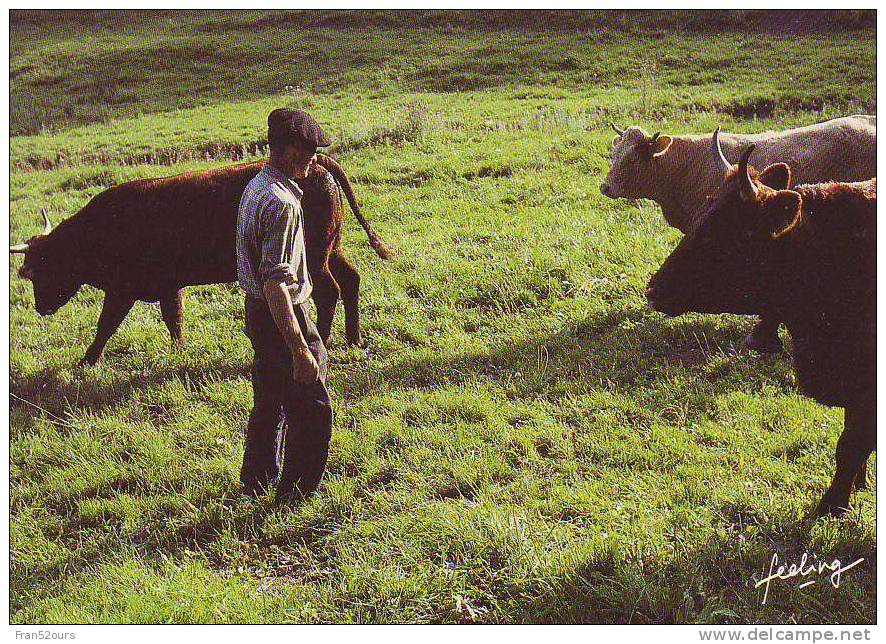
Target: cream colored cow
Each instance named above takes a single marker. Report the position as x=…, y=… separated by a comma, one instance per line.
x=679, y=172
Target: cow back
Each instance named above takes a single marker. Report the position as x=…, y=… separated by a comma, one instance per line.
x=843, y=149
x=833, y=320
x=152, y=235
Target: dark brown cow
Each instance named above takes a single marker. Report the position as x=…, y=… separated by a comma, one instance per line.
x=807, y=255
x=147, y=239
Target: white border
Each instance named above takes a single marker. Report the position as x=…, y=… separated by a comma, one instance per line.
x=138, y=634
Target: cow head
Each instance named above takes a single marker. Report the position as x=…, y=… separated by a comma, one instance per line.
x=728, y=262
x=633, y=152
x=46, y=266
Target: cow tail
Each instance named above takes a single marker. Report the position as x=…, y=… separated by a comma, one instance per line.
x=342, y=180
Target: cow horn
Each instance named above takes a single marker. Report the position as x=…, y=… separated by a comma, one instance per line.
x=617, y=130
x=47, y=227
x=725, y=166
x=748, y=189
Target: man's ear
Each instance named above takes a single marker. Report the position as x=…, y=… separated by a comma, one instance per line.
x=777, y=176
x=782, y=212
x=661, y=145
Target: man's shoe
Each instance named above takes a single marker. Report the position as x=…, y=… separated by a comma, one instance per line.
x=259, y=486
x=293, y=494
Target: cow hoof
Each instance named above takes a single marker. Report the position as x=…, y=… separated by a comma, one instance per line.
x=764, y=345
x=88, y=361
x=357, y=342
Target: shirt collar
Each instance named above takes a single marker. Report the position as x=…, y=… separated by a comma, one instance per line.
x=275, y=174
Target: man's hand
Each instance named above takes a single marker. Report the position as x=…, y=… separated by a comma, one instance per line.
x=304, y=366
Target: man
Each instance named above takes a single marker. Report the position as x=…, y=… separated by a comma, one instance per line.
x=289, y=368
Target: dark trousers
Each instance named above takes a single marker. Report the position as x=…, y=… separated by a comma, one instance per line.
x=303, y=446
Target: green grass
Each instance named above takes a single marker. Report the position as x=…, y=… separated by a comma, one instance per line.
x=522, y=440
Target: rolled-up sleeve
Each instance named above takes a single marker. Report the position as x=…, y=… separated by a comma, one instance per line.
x=280, y=222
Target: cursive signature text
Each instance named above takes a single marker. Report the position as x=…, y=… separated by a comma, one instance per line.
x=805, y=568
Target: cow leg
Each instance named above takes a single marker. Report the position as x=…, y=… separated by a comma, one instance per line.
x=173, y=314
x=114, y=309
x=764, y=337
x=853, y=449
x=325, y=294
x=349, y=281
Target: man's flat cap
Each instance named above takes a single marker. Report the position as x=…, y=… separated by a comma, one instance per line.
x=285, y=124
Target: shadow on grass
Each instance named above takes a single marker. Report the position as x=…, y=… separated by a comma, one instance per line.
x=715, y=584
x=629, y=351
x=162, y=539
x=45, y=392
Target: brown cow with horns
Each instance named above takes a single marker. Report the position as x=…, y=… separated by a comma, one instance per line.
x=147, y=239
x=808, y=256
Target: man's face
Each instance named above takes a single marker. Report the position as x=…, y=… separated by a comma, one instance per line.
x=300, y=154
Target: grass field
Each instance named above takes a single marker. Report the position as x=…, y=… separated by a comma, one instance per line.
x=522, y=440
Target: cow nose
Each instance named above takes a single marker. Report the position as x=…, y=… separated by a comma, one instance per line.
x=604, y=189
x=650, y=293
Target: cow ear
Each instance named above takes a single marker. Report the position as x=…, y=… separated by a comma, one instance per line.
x=782, y=212
x=777, y=176
x=661, y=145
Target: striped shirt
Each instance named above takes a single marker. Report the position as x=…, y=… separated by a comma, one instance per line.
x=271, y=236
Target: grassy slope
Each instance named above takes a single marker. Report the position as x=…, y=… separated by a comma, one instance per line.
x=523, y=440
